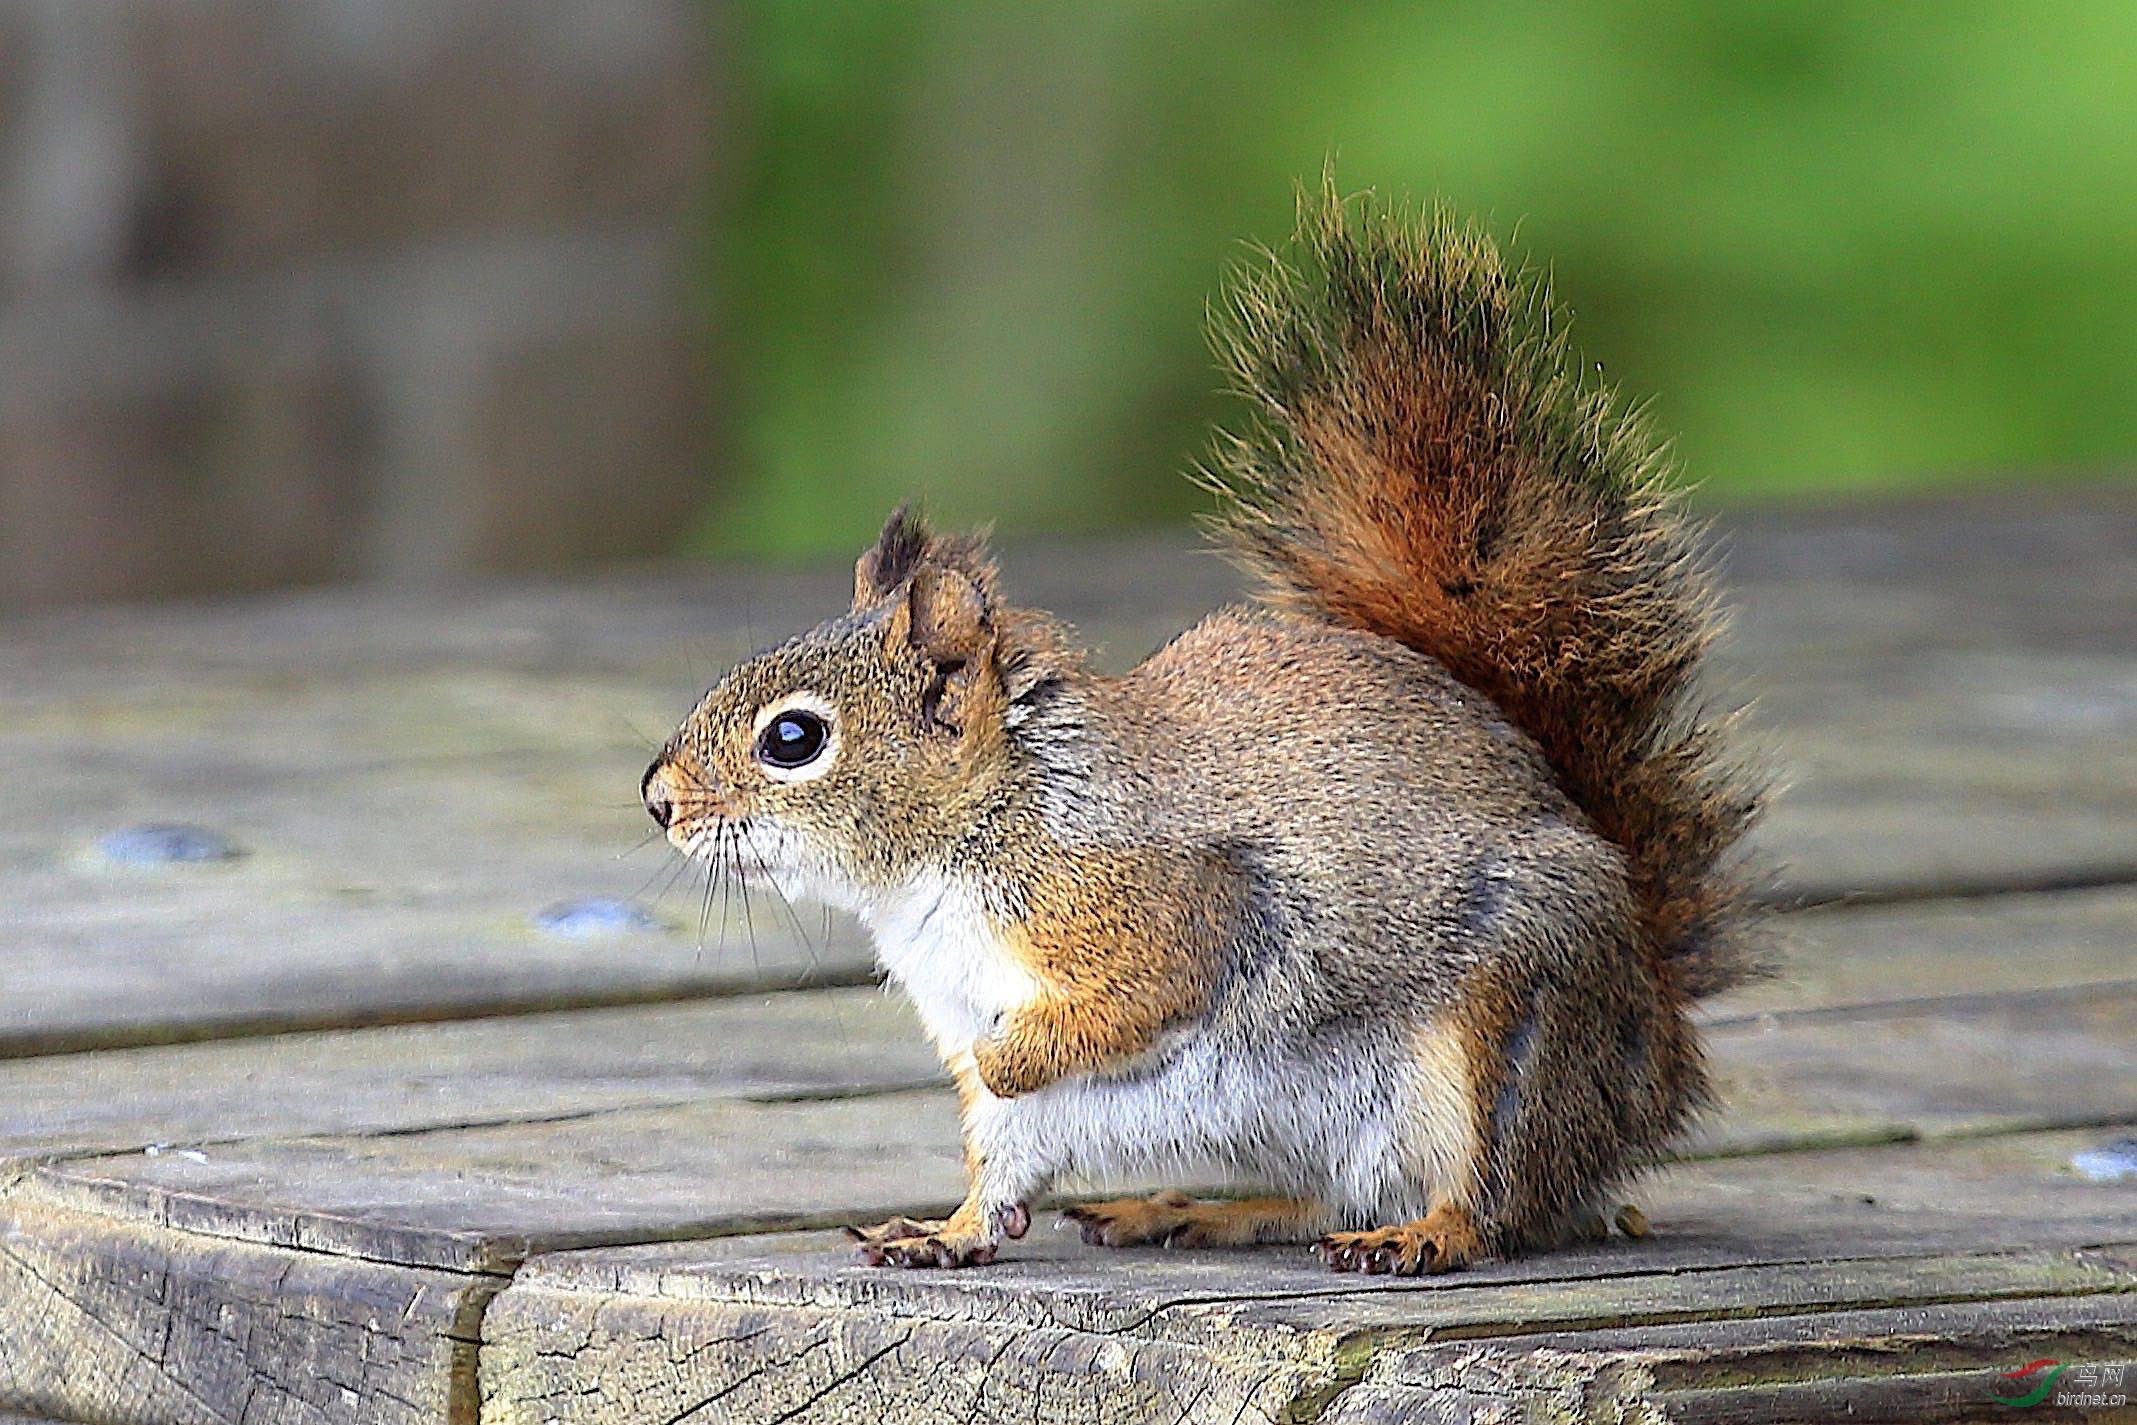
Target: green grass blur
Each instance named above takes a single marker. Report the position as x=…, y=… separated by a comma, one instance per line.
x=1837, y=246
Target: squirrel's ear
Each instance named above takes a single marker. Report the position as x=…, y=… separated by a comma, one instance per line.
x=947, y=616
x=896, y=554
x=944, y=617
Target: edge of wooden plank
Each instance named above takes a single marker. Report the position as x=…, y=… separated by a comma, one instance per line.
x=1886, y=1363
x=550, y=1351
x=127, y=1323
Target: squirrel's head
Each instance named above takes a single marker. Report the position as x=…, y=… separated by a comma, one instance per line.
x=843, y=761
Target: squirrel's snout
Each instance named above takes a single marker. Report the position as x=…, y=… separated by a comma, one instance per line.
x=659, y=798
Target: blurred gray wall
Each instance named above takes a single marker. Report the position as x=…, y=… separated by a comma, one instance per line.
x=303, y=290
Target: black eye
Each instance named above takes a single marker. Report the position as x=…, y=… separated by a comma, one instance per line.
x=793, y=739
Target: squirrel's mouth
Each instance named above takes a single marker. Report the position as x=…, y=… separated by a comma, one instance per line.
x=742, y=849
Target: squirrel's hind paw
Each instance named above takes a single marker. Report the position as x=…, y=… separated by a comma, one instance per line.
x=1162, y=1218
x=1440, y=1241
x=1173, y=1219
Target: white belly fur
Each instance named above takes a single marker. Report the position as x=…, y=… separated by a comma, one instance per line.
x=1210, y=1114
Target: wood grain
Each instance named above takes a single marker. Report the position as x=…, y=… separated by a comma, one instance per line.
x=400, y=896
x=528, y=1067
x=1908, y=1363
x=2070, y=950
x=123, y=1322
x=1836, y=960
x=405, y=894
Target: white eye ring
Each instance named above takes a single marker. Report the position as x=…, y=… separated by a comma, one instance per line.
x=815, y=713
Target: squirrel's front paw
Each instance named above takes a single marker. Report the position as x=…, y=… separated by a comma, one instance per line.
x=896, y=1229
x=931, y=1249
x=907, y=1242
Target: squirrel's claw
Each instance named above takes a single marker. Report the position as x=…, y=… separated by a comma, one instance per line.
x=893, y=1230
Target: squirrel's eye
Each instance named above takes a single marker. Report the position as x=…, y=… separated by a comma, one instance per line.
x=794, y=738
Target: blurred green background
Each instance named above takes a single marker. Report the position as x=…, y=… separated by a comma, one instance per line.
x=1839, y=246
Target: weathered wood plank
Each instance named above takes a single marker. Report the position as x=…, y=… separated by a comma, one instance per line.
x=2041, y=569
x=550, y=1355
x=2055, y=947
x=479, y=1071
x=1961, y=770
x=1836, y=959
x=403, y=897
x=1924, y=1070
x=129, y=1323
x=415, y=777
x=751, y=1328
x=398, y=894
x=2036, y=569
x=2002, y=728
x=482, y=1197
x=866, y=1366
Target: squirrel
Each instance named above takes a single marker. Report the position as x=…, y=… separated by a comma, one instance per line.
x=1386, y=893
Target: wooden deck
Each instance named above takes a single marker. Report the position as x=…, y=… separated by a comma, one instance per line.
x=380, y=1111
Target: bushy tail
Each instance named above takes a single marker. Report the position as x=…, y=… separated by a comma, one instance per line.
x=1429, y=465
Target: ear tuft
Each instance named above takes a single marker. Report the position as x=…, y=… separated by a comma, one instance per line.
x=906, y=547
x=895, y=556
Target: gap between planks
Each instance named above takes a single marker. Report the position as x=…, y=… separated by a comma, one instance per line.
x=1810, y=896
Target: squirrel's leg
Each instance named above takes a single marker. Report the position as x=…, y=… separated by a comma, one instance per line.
x=1446, y=1145
x=999, y=1185
x=1529, y=1106
x=1174, y=1219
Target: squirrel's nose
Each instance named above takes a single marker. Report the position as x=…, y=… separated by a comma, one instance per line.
x=659, y=800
